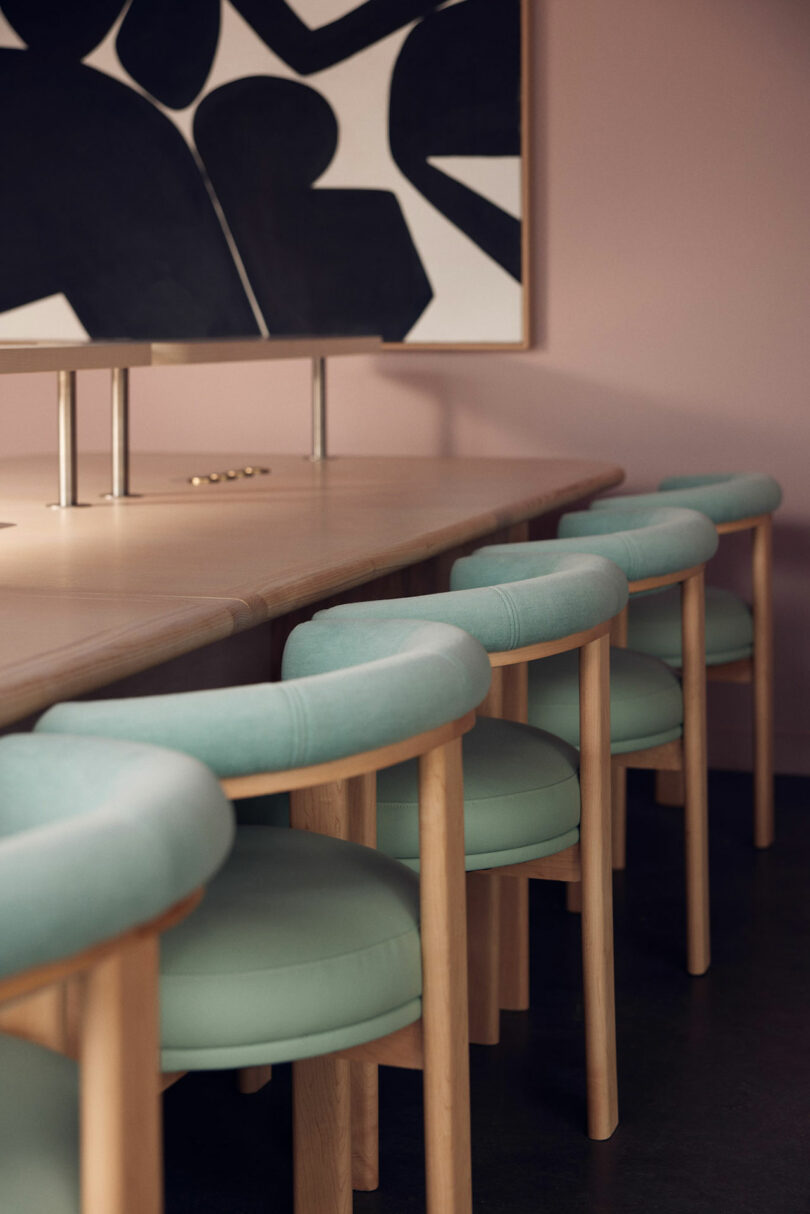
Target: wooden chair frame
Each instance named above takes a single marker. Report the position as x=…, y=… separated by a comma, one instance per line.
x=685, y=755
x=335, y=1096
x=498, y=898
x=101, y=1007
x=497, y=909
x=758, y=672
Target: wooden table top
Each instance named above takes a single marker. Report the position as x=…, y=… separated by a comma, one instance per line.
x=25, y=356
x=88, y=596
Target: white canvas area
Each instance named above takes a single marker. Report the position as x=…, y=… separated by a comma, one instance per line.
x=475, y=300
x=8, y=37
x=315, y=13
x=496, y=178
x=48, y=319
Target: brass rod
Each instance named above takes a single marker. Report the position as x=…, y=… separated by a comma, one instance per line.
x=120, y=431
x=319, y=409
x=67, y=438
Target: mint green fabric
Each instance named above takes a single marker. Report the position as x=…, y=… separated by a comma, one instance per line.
x=564, y=594
x=521, y=798
x=302, y=945
x=643, y=543
x=39, y=1131
x=649, y=542
x=646, y=705
x=420, y=675
x=725, y=498
x=521, y=790
x=654, y=626
x=97, y=837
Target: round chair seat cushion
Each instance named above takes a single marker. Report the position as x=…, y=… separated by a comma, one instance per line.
x=724, y=497
x=654, y=626
x=302, y=945
x=646, y=704
x=39, y=1130
x=521, y=797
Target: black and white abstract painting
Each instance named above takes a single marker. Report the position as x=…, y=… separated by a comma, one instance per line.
x=177, y=169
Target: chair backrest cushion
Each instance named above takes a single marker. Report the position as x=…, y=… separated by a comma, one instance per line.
x=97, y=837
x=562, y=594
x=725, y=498
x=645, y=542
x=418, y=678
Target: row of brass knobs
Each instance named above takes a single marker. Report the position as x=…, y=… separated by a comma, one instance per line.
x=232, y=474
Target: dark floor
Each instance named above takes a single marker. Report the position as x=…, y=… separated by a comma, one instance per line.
x=714, y=1072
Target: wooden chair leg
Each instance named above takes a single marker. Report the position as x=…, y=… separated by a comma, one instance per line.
x=346, y=809
x=365, y=1116
x=483, y=957
x=618, y=810
x=444, y=977
x=669, y=788
x=325, y=809
x=365, y=1105
x=763, y=685
x=509, y=698
x=597, y=890
x=322, y=1158
x=251, y=1079
x=121, y=1145
x=696, y=817
x=514, y=946
x=573, y=897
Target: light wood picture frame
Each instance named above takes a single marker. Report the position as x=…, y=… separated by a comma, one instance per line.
x=279, y=168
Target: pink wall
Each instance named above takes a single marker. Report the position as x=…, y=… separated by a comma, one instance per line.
x=671, y=296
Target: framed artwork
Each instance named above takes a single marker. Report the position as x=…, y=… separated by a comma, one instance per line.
x=235, y=168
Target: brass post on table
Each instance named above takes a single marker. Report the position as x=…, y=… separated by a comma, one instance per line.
x=68, y=478
x=120, y=434
x=318, y=409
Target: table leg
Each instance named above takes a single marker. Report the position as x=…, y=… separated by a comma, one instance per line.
x=120, y=434
x=66, y=417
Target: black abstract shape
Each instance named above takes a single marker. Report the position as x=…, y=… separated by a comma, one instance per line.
x=59, y=27
x=309, y=50
x=168, y=47
x=319, y=260
x=455, y=91
x=106, y=205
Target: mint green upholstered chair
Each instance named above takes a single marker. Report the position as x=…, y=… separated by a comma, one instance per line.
x=102, y=846
x=653, y=722
x=739, y=637
x=532, y=806
x=318, y=950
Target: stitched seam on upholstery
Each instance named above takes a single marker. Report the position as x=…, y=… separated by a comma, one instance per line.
x=635, y=554
x=536, y=790
x=300, y=728
x=396, y=807
x=299, y=965
x=313, y=1034
x=512, y=613
x=457, y=666
x=524, y=847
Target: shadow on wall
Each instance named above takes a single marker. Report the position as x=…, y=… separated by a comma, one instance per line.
x=508, y=405
x=517, y=405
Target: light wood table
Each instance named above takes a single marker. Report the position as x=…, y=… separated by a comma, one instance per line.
x=88, y=597
x=68, y=357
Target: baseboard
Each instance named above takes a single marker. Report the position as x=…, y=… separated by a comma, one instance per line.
x=731, y=750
